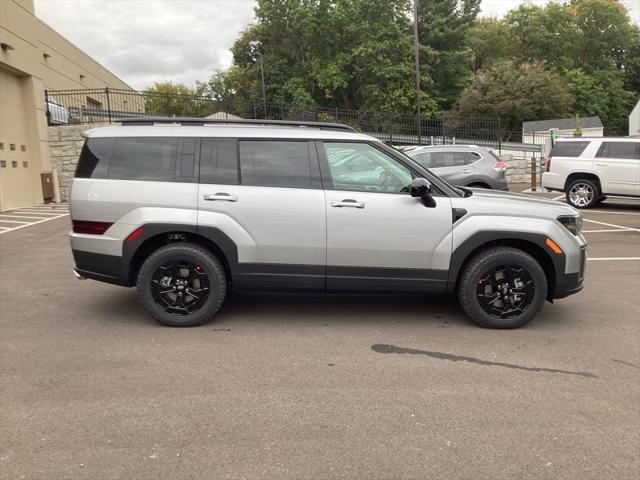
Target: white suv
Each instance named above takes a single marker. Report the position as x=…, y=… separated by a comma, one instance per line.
x=187, y=209
x=589, y=170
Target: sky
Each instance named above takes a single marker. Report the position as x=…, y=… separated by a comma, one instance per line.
x=144, y=41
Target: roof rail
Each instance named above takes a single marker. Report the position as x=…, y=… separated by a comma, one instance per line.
x=195, y=121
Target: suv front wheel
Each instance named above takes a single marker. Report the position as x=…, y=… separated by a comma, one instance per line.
x=182, y=284
x=502, y=287
x=583, y=193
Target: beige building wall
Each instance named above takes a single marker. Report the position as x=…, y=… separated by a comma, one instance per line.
x=34, y=57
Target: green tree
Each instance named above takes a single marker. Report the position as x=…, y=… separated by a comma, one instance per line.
x=515, y=93
x=491, y=40
x=175, y=99
x=602, y=93
x=444, y=31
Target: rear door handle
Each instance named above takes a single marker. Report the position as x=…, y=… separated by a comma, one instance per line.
x=348, y=202
x=602, y=164
x=465, y=171
x=221, y=197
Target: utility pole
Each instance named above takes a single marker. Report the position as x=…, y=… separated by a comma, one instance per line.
x=417, y=52
x=264, y=95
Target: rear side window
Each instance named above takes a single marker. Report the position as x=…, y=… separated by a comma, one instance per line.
x=275, y=163
x=449, y=159
x=472, y=157
x=94, y=159
x=619, y=150
x=219, y=161
x=568, y=149
x=150, y=159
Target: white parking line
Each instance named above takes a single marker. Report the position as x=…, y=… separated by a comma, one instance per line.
x=621, y=227
x=612, y=213
x=48, y=212
x=558, y=197
x=31, y=214
x=607, y=230
x=613, y=258
x=11, y=221
x=29, y=224
x=3, y=215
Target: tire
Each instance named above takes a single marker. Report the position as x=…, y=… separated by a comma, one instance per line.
x=479, y=185
x=481, y=284
x=583, y=193
x=182, y=285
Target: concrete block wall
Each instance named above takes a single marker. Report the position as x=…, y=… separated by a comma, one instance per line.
x=65, y=145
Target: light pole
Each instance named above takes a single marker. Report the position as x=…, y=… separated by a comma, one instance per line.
x=255, y=47
x=417, y=54
x=264, y=95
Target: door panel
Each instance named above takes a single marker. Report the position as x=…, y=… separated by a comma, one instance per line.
x=378, y=236
x=280, y=232
x=617, y=167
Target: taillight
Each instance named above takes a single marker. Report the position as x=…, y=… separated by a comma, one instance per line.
x=90, y=228
x=500, y=166
x=547, y=167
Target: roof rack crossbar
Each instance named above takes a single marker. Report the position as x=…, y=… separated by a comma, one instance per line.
x=195, y=121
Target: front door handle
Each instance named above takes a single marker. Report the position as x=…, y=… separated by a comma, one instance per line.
x=348, y=202
x=222, y=197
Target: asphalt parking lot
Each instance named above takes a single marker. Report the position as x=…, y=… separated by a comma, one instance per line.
x=314, y=386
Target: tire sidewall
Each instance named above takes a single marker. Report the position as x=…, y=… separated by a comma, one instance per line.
x=216, y=287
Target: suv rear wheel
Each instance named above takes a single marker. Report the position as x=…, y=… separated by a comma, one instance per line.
x=182, y=284
x=583, y=193
x=502, y=287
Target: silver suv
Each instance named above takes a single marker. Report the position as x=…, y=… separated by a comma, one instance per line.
x=463, y=165
x=187, y=209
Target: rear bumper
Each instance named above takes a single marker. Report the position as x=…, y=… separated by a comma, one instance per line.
x=104, y=268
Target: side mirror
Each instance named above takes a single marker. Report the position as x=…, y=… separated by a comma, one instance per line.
x=421, y=188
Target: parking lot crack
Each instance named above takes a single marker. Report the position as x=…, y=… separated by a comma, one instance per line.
x=384, y=348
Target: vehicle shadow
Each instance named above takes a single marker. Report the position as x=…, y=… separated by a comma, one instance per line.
x=123, y=306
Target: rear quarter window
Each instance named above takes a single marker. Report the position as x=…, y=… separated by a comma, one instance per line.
x=568, y=149
x=94, y=158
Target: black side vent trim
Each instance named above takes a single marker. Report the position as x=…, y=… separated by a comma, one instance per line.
x=458, y=213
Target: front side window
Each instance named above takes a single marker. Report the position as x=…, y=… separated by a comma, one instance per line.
x=619, y=150
x=362, y=168
x=425, y=159
x=150, y=159
x=275, y=163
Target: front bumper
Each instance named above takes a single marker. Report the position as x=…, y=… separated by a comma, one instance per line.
x=570, y=283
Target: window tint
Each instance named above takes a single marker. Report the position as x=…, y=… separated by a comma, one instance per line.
x=472, y=157
x=449, y=159
x=618, y=150
x=568, y=149
x=94, y=159
x=425, y=159
x=151, y=159
x=362, y=168
x=219, y=161
x=275, y=163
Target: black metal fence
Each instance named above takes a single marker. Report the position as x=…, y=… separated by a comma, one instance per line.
x=110, y=105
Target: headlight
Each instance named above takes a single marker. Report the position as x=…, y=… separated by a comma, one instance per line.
x=573, y=224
